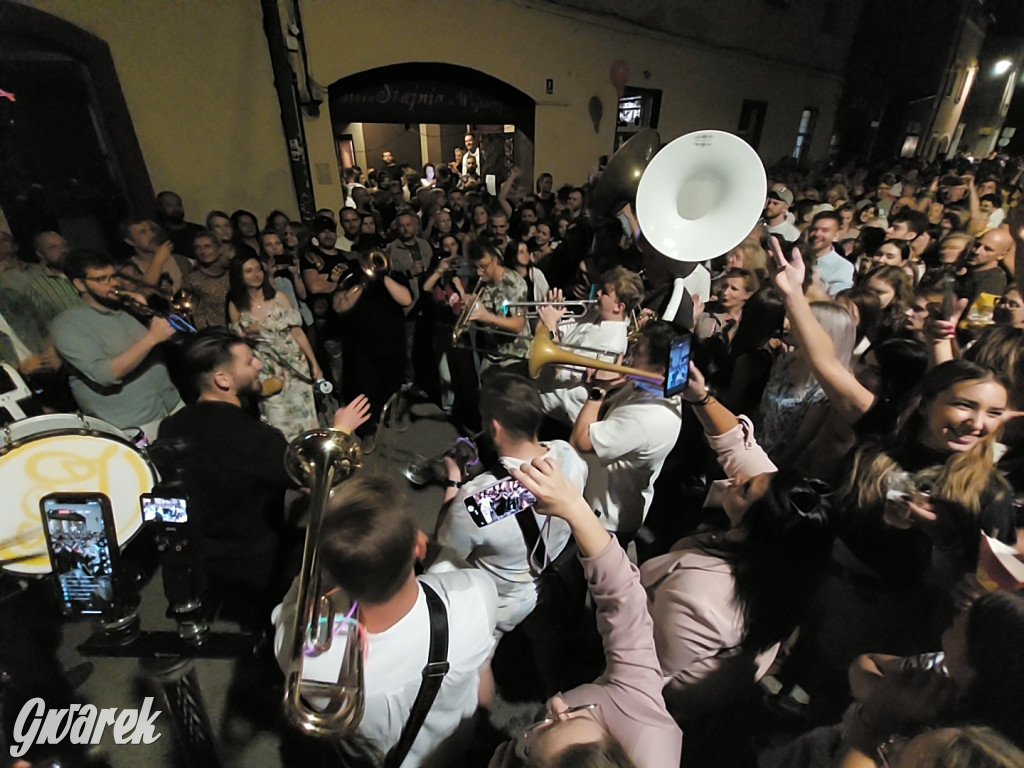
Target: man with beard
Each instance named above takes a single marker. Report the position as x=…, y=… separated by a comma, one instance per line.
x=351, y=222
x=231, y=464
x=162, y=269
x=208, y=282
x=171, y=215
x=457, y=207
x=232, y=469
x=116, y=368
x=835, y=272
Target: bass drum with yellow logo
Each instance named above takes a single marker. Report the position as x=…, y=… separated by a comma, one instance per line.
x=64, y=452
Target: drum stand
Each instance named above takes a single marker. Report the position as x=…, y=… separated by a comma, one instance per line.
x=167, y=657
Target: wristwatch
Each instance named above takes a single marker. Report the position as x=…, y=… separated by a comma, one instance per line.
x=596, y=394
x=449, y=483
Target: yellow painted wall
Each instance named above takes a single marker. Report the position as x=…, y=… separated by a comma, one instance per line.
x=197, y=79
x=524, y=46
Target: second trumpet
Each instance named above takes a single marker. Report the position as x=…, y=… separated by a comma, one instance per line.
x=577, y=308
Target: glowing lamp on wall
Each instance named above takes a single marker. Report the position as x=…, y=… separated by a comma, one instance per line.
x=1001, y=67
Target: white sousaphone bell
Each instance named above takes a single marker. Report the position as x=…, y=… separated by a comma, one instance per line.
x=700, y=195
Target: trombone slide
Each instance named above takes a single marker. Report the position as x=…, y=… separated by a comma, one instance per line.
x=544, y=352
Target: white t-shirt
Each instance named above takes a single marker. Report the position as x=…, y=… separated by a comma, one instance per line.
x=631, y=443
x=562, y=393
x=786, y=231
x=394, y=663
x=499, y=549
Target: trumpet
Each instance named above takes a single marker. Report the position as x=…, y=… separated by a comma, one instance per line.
x=319, y=459
x=575, y=308
x=372, y=265
x=464, y=319
x=175, y=317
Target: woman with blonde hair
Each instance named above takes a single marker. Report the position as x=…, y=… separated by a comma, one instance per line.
x=748, y=255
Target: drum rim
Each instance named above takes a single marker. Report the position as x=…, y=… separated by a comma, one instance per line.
x=9, y=444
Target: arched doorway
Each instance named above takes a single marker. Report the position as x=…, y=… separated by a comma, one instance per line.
x=69, y=157
x=420, y=111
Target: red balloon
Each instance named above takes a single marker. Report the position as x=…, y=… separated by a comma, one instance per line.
x=619, y=75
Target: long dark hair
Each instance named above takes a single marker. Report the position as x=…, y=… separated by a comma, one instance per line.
x=238, y=292
x=762, y=319
x=237, y=217
x=777, y=565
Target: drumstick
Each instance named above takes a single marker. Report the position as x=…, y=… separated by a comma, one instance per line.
x=21, y=538
x=20, y=558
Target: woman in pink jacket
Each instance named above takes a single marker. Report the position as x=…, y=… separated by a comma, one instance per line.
x=723, y=601
x=619, y=720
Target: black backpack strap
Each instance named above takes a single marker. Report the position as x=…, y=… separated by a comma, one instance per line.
x=433, y=675
x=527, y=525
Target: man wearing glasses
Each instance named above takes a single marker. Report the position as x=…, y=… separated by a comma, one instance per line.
x=497, y=287
x=116, y=368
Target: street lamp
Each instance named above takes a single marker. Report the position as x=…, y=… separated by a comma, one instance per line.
x=1001, y=67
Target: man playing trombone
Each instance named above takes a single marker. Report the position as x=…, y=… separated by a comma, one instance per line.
x=603, y=329
x=625, y=431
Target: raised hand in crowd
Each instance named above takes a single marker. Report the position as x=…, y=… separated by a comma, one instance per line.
x=353, y=415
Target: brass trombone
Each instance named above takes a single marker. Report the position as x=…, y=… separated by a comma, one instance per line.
x=543, y=351
x=319, y=459
x=492, y=331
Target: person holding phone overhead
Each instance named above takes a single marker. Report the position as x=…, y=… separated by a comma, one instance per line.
x=625, y=431
x=620, y=718
x=511, y=414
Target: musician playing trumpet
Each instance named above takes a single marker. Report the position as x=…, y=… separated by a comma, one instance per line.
x=604, y=327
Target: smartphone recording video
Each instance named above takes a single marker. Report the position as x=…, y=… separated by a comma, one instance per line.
x=496, y=502
x=82, y=543
x=678, y=368
x=164, y=509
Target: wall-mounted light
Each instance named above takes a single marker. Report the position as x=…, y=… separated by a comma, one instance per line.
x=1001, y=67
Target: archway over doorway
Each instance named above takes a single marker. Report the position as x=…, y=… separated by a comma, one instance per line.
x=429, y=106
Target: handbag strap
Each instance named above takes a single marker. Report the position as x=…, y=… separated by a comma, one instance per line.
x=433, y=675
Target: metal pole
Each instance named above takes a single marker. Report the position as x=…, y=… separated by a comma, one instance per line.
x=291, y=116
x=179, y=686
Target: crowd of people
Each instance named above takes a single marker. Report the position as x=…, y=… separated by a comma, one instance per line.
x=790, y=563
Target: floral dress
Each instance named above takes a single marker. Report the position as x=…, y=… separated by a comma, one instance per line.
x=292, y=410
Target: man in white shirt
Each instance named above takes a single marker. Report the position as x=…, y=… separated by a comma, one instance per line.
x=776, y=208
x=510, y=412
x=625, y=431
x=368, y=544
x=604, y=327
x=471, y=149
x=835, y=272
